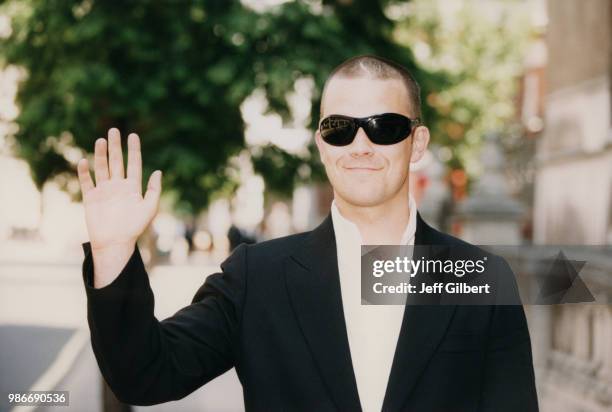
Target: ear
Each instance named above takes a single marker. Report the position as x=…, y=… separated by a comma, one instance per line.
x=420, y=140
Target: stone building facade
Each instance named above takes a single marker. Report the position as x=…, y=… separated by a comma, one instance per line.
x=572, y=343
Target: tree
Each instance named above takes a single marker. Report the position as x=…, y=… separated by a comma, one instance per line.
x=478, y=50
x=177, y=74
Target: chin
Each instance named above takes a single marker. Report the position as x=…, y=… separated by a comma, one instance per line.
x=364, y=197
x=365, y=202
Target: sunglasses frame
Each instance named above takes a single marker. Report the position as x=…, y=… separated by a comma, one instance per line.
x=363, y=123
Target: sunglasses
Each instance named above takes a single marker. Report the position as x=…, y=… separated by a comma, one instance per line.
x=383, y=129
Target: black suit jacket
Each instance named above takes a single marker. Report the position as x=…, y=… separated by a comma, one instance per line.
x=275, y=313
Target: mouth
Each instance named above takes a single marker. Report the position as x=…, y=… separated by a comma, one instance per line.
x=373, y=169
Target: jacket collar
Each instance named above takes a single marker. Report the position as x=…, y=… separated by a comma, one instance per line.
x=313, y=284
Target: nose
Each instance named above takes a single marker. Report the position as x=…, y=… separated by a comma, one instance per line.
x=361, y=145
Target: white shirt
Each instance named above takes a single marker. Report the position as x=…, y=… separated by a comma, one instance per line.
x=372, y=330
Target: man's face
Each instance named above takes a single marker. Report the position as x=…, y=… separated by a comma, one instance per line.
x=364, y=173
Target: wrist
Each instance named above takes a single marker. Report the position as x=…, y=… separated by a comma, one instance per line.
x=108, y=261
x=101, y=248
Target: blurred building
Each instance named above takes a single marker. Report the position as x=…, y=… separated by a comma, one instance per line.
x=573, y=201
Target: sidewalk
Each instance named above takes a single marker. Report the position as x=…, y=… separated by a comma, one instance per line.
x=43, y=315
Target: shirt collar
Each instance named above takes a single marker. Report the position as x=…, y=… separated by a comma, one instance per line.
x=346, y=230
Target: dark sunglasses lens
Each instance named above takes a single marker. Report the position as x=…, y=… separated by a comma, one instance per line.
x=337, y=131
x=388, y=128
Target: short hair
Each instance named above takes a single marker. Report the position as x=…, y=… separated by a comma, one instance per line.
x=376, y=67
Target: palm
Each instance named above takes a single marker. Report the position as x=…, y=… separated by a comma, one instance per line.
x=115, y=210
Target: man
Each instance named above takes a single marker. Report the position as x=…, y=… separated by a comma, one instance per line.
x=286, y=313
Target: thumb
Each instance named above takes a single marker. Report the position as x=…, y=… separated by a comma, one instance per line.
x=154, y=186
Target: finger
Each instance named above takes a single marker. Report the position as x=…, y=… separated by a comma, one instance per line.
x=101, y=161
x=115, y=154
x=153, y=192
x=134, y=165
x=84, y=177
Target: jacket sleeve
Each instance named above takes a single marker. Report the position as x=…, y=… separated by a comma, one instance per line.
x=146, y=361
x=508, y=382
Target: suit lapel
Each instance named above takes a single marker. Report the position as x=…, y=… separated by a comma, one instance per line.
x=313, y=284
x=423, y=327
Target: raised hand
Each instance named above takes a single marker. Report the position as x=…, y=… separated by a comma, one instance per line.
x=116, y=213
